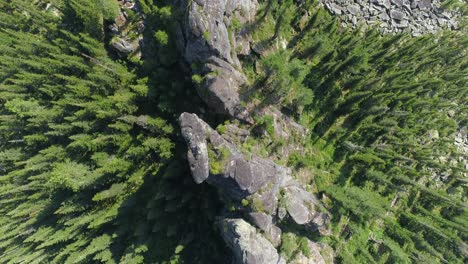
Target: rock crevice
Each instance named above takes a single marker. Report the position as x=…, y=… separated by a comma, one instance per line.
x=260, y=196
x=257, y=189
x=393, y=16
x=209, y=41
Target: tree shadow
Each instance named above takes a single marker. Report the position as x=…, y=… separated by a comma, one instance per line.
x=169, y=210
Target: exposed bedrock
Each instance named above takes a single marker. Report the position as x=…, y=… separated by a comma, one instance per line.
x=392, y=16
x=210, y=42
x=257, y=189
x=126, y=33
x=248, y=245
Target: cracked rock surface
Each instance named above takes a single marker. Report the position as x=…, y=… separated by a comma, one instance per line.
x=263, y=192
x=393, y=16
x=209, y=43
x=127, y=34
x=248, y=245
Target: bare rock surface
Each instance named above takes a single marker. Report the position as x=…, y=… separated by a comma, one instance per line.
x=127, y=34
x=264, y=192
x=393, y=16
x=265, y=223
x=248, y=245
x=207, y=38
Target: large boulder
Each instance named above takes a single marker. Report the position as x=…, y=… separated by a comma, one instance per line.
x=218, y=161
x=123, y=46
x=248, y=246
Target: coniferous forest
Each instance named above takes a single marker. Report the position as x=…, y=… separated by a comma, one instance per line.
x=94, y=169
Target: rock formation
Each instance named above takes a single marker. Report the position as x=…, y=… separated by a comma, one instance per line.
x=392, y=16
x=209, y=41
x=248, y=245
x=127, y=33
x=259, y=195
x=261, y=191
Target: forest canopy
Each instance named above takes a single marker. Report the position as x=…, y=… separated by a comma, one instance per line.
x=93, y=168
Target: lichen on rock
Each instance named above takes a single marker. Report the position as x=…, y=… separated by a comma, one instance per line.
x=208, y=43
x=264, y=193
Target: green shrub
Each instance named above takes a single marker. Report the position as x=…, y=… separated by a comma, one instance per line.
x=110, y=9
x=266, y=123
x=161, y=37
x=221, y=129
x=257, y=205
x=207, y=35
x=218, y=158
x=197, y=79
x=236, y=24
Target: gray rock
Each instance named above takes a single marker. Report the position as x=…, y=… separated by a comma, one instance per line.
x=284, y=126
x=265, y=223
x=354, y=9
x=123, y=46
x=120, y=20
x=334, y=8
x=114, y=29
x=121, y=30
x=204, y=39
x=221, y=86
x=193, y=132
x=282, y=212
x=255, y=179
x=425, y=4
x=415, y=16
x=397, y=15
x=241, y=177
x=402, y=24
x=384, y=17
x=398, y=3
x=248, y=246
x=303, y=208
x=384, y=3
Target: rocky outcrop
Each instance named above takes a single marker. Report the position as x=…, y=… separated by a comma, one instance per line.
x=284, y=126
x=248, y=245
x=392, y=16
x=209, y=38
x=127, y=32
x=316, y=255
x=260, y=196
x=261, y=191
x=123, y=46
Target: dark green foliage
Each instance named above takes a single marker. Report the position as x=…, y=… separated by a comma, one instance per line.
x=92, y=168
x=265, y=124
x=292, y=245
x=218, y=157
x=282, y=81
x=89, y=172
x=375, y=100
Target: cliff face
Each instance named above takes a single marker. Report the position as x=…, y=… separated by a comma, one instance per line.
x=259, y=194
x=209, y=41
